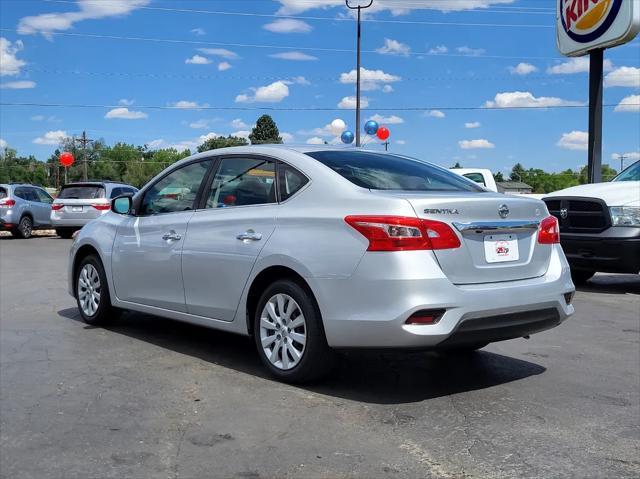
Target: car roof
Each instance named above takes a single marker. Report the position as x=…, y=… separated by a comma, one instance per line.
x=96, y=183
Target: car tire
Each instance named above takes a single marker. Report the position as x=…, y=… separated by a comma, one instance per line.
x=279, y=339
x=64, y=233
x=581, y=276
x=24, y=229
x=90, y=279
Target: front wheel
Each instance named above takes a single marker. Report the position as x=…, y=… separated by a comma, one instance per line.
x=92, y=292
x=289, y=335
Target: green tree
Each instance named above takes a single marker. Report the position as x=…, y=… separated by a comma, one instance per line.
x=222, y=142
x=457, y=165
x=498, y=176
x=265, y=132
x=608, y=174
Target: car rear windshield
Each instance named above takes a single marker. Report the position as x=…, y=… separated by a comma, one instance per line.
x=81, y=192
x=3, y=193
x=377, y=171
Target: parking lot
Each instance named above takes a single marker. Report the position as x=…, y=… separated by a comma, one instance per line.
x=149, y=397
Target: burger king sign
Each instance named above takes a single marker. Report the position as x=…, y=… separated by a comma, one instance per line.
x=585, y=25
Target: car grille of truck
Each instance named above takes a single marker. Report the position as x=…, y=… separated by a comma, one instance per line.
x=579, y=215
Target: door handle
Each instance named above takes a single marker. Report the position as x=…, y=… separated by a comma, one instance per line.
x=171, y=236
x=249, y=235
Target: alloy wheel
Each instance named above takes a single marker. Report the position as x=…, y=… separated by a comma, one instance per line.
x=283, y=331
x=89, y=289
x=25, y=227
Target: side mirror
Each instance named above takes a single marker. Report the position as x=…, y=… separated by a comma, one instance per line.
x=122, y=205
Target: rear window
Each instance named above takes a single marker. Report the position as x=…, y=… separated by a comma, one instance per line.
x=376, y=171
x=81, y=192
x=3, y=193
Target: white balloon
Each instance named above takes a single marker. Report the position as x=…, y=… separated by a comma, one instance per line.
x=338, y=126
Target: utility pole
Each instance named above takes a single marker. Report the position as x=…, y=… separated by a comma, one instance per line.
x=386, y=146
x=84, y=141
x=622, y=158
x=359, y=8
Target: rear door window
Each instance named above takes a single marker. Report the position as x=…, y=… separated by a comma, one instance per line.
x=290, y=180
x=378, y=171
x=243, y=182
x=81, y=192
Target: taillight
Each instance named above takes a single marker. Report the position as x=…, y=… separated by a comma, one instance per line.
x=57, y=206
x=101, y=206
x=549, y=232
x=400, y=233
x=7, y=203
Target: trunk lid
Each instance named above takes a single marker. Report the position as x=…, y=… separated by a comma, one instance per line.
x=494, y=247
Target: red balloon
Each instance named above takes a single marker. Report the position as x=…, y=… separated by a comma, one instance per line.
x=66, y=159
x=383, y=133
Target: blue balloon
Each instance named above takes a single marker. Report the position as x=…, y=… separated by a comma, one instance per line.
x=347, y=137
x=371, y=127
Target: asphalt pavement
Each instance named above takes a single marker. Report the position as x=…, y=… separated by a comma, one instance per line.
x=153, y=398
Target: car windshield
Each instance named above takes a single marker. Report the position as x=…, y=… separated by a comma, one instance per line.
x=379, y=171
x=81, y=192
x=630, y=174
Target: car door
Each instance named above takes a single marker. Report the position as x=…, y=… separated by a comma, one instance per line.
x=146, y=258
x=225, y=236
x=42, y=207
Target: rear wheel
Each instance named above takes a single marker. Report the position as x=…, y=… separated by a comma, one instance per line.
x=289, y=335
x=64, y=233
x=24, y=228
x=92, y=292
x=581, y=276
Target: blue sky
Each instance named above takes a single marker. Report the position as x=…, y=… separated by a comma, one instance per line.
x=297, y=57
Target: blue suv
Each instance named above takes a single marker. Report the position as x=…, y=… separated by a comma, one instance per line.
x=24, y=208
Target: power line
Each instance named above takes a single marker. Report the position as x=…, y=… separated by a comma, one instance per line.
x=272, y=108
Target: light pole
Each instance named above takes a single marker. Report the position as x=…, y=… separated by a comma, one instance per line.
x=359, y=8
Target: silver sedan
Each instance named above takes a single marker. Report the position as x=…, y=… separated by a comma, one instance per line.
x=314, y=249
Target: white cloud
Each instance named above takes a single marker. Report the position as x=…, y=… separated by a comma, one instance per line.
x=125, y=114
x=401, y=142
x=125, y=102
x=472, y=125
x=624, y=77
x=219, y=52
x=575, y=140
x=394, y=47
x=294, y=56
x=387, y=89
x=10, y=64
x=18, y=85
x=188, y=105
x=629, y=104
x=299, y=80
x=396, y=7
x=476, y=144
x=200, y=124
x=349, y=102
x=199, y=31
x=3, y=144
x=197, y=60
x=523, y=69
x=51, y=138
x=273, y=93
x=525, y=99
x=224, y=66
x=575, y=65
x=631, y=156
x=316, y=140
x=288, y=25
x=48, y=23
x=242, y=133
x=370, y=79
x=239, y=124
x=387, y=120
x=435, y=114
x=38, y=118
x=474, y=52
x=438, y=50
x=287, y=137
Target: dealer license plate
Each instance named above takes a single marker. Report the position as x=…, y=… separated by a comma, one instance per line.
x=76, y=209
x=501, y=248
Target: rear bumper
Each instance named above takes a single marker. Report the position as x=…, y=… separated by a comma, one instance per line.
x=58, y=222
x=615, y=250
x=370, y=309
